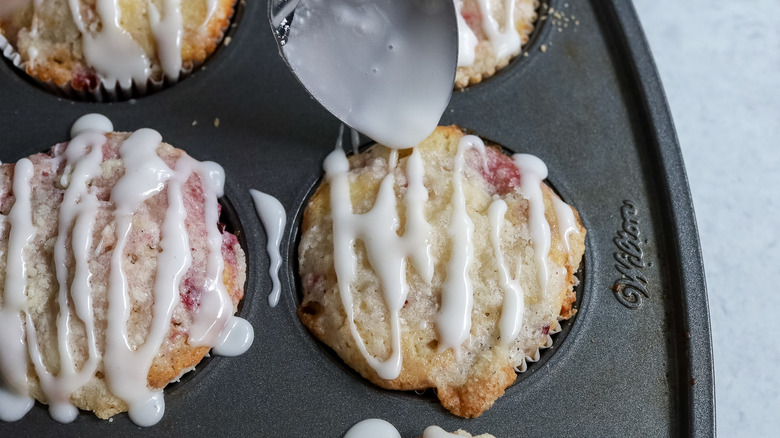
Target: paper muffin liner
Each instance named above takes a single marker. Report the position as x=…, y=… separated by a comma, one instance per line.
x=9, y=52
x=554, y=329
x=117, y=92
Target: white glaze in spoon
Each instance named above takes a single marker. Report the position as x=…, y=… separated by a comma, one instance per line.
x=363, y=61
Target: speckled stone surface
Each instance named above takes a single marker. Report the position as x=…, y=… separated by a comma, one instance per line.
x=720, y=66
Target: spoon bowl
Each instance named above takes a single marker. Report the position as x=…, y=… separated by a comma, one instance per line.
x=384, y=67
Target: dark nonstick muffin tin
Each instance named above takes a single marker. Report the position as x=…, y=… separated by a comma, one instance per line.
x=636, y=360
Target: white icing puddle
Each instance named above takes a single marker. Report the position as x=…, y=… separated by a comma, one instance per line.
x=236, y=338
x=274, y=219
x=373, y=428
x=14, y=407
x=378, y=428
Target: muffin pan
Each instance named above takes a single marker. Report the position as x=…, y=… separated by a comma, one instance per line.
x=636, y=360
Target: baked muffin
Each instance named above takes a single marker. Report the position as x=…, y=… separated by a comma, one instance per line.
x=491, y=33
x=98, y=45
x=445, y=267
x=114, y=258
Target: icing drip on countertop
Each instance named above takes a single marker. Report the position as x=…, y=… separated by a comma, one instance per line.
x=126, y=366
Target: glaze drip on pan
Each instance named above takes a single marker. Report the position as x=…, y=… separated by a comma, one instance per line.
x=274, y=219
x=378, y=428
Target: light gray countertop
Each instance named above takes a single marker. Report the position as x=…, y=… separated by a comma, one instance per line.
x=720, y=66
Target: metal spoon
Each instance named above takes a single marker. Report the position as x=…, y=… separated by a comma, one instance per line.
x=383, y=67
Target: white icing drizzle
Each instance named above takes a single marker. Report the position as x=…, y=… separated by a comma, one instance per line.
x=373, y=428
x=112, y=51
x=387, y=252
x=274, y=219
x=77, y=211
x=454, y=318
x=467, y=40
x=126, y=366
x=168, y=32
x=91, y=122
x=14, y=400
x=514, y=302
x=505, y=42
x=533, y=171
x=117, y=57
x=567, y=224
x=35, y=29
x=211, y=8
x=216, y=306
x=438, y=432
x=416, y=225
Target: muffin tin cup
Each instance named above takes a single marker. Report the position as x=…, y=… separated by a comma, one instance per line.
x=635, y=361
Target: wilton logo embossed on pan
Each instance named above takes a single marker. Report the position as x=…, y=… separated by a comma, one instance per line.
x=630, y=288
